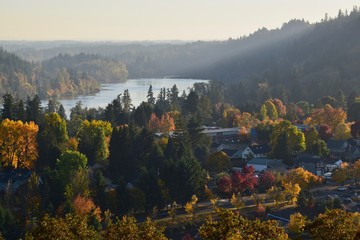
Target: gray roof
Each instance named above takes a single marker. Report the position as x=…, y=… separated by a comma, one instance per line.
x=335, y=144
x=260, y=149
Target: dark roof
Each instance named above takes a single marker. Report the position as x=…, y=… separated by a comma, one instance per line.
x=335, y=144
x=260, y=149
x=229, y=152
x=352, y=142
x=310, y=160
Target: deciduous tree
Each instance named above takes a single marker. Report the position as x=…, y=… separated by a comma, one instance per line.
x=94, y=140
x=335, y=224
x=18, y=145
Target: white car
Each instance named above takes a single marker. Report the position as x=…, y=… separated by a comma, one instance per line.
x=341, y=188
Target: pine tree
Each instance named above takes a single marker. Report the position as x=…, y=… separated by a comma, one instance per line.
x=150, y=96
x=9, y=107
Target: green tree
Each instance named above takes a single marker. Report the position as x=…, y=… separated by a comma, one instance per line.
x=150, y=96
x=126, y=101
x=34, y=111
x=285, y=135
x=71, y=169
x=218, y=162
x=61, y=112
x=8, y=109
x=271, y=111
x=94, y=140
x=121, y=157
x=263, y=113
x=311, y=136
x=52, y=139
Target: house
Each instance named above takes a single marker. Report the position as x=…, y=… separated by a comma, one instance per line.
x=337, y=148
x=12, y=180
x=223, y=135
x=311, y=163
x=353, y=149
x=234, y=151
x=256, y=151
x=262, y=164
x=331, y=165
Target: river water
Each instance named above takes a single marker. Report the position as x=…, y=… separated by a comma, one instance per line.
x=138, y=89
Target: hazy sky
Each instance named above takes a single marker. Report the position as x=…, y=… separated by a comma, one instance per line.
x=153, y=19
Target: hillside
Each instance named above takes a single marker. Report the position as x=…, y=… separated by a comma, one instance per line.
x=97, y=67
x=299, y=61
x=22, y=78
x=318, y=61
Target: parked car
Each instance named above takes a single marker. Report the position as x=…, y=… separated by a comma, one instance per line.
x=341, y=188
x=347, y=200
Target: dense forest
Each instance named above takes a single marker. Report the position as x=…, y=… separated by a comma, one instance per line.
x=133, y=172
x=60, y=76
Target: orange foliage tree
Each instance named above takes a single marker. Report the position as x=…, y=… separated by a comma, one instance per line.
x=164, y=124
x=18, y=145
x=327, y=115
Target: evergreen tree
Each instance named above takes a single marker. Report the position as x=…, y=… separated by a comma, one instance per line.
x=126, y=101
x=34, y=111
x=121, y=160
x=21, y=113
x=9, y=107
x=150, y=96
x=52, y=106
x=61, y=112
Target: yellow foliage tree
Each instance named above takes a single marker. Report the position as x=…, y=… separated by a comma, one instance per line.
x=190, y=207
x=304, y=178
x=342, y=132
x=341, y=174
x=18, y=145
x=292, y=192
x=297, y=223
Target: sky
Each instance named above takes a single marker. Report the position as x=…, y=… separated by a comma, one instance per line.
x=126, y=20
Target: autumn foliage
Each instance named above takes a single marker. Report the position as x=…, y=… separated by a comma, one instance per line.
x=18, y=145
x=163, y=124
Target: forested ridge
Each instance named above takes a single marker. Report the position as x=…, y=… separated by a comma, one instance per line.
x=60, y=76
x=297, y=61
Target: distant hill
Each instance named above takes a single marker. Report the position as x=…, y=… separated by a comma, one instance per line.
x=22, y=79
x=299, y=61
x=95, y=66
x=316, y=61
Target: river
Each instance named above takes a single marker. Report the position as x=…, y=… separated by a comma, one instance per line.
x=138, y=89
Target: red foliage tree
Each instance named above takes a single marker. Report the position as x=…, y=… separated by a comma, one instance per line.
x=267, y=180
x=243, y=180
x=225, y=184
x=325, y=132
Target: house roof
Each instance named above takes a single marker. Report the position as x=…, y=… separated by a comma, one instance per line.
x=229, y=152
x=308, y=158
x=335, y=144
x=352, y=142
x=260, y=149
x=267, y=163
x=235, y=146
